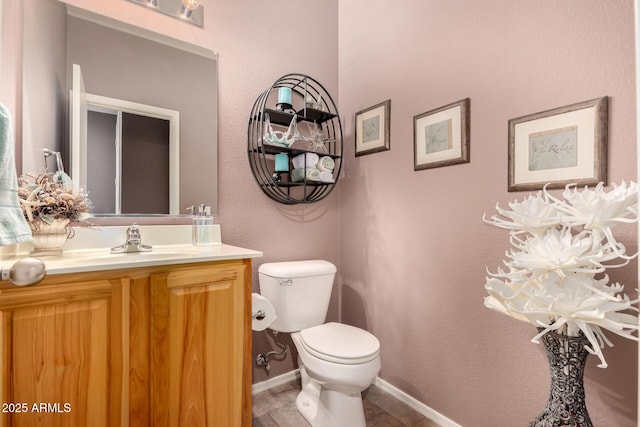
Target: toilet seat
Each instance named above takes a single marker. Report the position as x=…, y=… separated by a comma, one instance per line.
x=339, y=343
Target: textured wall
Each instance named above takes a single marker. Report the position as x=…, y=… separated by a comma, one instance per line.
x=414, y=247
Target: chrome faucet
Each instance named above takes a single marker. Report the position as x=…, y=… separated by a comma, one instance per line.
x=133, y=243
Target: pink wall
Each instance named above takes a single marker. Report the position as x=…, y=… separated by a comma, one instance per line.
x=413, y=244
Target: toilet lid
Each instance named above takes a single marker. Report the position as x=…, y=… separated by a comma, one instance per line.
x=339, y=343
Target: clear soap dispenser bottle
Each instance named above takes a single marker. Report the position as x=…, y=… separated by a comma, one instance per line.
x=202, y=231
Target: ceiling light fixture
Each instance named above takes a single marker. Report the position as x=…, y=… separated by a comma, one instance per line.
x=185, y=10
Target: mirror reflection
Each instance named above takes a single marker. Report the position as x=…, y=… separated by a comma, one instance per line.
x=118, y=145
x=140, y=69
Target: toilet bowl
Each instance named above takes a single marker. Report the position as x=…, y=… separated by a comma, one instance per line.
x=337, y=361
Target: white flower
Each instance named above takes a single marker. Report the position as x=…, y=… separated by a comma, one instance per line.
x=599, y=211
x=560, y=251
x=535, y=214
x=574, y=302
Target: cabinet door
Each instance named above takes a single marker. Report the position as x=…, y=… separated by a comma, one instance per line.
x=197, y=339
x=63, y=354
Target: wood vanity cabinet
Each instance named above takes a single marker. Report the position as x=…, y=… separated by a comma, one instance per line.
x=152, y=346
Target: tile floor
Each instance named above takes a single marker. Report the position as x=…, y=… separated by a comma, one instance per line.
x=277, y=408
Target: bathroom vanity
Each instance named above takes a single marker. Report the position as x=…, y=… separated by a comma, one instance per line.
x=159, y=338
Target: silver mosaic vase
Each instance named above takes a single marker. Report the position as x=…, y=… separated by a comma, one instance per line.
x=566, y=406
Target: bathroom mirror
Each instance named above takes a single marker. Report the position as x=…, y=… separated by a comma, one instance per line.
x=137, y=67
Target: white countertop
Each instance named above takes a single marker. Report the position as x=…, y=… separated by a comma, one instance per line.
x=89, y=250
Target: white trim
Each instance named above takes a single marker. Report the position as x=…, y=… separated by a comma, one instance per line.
x=275, y=381
x=403, y=397
x=415, y=404
x=78, y=130
x=118, y=144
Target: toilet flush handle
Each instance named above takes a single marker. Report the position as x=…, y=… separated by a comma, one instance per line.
x=286, y=282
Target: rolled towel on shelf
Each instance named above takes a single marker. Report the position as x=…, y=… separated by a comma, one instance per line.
x=297, y=175
x=326, y=164
x=302, y=174
x=326, y=176
x=305, y=160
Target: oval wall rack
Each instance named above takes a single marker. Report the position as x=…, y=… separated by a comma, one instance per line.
x=294, y=123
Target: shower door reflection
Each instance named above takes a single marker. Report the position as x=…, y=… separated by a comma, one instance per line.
x=127, y=163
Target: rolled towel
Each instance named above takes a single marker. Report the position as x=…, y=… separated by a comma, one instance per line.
x=297, y=175
x=305, y=160
x=305, y=174
x=326, y=176
x=326, y=163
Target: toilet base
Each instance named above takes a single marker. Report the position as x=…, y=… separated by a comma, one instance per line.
x=322, y=407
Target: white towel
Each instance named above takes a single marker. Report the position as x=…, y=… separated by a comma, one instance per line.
x=326, y=176
x=13, y=226
x=305, y=174
x=305, y=160
x=326, y=163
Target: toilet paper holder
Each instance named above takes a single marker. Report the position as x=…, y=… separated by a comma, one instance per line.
x=259, y=315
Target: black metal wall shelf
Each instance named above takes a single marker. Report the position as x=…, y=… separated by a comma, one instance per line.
x=301, y=184
x=311, y=103
x=273, y=150
x=283, y=118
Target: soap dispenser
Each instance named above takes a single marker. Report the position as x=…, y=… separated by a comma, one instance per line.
x=202, y=231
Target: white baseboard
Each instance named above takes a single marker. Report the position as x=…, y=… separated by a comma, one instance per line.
x=414, y=404
x=275, y=381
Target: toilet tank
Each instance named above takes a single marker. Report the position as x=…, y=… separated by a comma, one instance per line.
x=299, y=291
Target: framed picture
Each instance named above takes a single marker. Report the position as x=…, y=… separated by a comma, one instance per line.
x=558, y=147
x=372, y=129
x=441, y=136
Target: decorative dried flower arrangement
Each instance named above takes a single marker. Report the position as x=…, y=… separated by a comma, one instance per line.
x=555, y=277
x=46, y=198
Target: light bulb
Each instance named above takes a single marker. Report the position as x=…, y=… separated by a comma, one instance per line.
x=187, y=7
x=190, y=4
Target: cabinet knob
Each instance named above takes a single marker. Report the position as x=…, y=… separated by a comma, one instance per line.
x=27, y=271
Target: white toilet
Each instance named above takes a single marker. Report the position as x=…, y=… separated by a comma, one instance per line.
x=337, y=362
